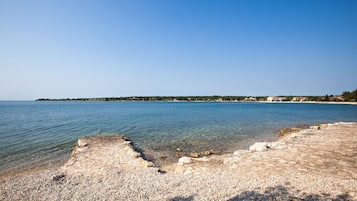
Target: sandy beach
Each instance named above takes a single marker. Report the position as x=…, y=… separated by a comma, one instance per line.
x=319, y=163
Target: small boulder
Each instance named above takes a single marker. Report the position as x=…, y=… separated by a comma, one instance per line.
x=194, y=155
x=239, y=152
x=213, y=151
x=184, y=160
x=207, y=153
x=324, y=125
x=315, y=127
x=270, y=145
x=58, y=178
x=259, y=147
x=82, y=143
x=179, y=153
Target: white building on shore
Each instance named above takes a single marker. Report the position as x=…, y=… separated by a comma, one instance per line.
x=274, y=99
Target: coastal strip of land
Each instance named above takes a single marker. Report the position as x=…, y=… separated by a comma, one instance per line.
x=345, y=98
x=318, y=163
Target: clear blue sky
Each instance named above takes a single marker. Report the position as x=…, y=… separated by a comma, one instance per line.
x=59, y=49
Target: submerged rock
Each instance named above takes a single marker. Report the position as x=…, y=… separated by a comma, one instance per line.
x=179, y=153
x=209, y=152
x=285, y=131
x=194, y=154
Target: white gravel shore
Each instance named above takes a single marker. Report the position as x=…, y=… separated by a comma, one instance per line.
x=319, y=163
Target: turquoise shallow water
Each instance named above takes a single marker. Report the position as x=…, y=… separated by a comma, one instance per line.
x=34, y=133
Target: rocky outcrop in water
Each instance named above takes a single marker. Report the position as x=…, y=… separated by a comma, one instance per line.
x=99, y=155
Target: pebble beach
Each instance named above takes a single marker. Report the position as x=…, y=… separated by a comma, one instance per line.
x=318, y=163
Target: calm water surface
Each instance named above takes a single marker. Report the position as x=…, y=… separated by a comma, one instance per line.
x=37, y=133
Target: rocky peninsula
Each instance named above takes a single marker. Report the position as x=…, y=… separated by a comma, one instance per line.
x=318, y=163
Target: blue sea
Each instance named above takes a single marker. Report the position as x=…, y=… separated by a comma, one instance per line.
x=43, y=133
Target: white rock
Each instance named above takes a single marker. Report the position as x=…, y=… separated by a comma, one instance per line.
x=324, y=125
x=239, y=152
x=259, y=147
x=270, y=145
x=202, y=159
x=82, y=143
x=184, y=160
x=315, y=127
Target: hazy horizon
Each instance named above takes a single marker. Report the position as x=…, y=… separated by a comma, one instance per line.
x=74, y=49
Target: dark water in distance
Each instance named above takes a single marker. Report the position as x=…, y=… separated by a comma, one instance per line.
x=33, y=133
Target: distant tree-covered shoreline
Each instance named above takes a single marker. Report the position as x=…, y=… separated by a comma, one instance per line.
x=345, y=97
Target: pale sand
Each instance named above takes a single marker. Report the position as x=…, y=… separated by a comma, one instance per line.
x=308, y=165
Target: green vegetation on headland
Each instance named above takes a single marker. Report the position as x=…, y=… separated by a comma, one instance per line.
x=345, y=97
x=154, y=98
x=350, y=96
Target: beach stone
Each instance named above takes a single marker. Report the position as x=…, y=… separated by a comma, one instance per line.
x=258, y=147
x=184, y=160
x=203, y=159
x=58, y=178
x=270, y=145
x=163, y=156
x=213, y=151
x=82, y=143
x=239, y=152
x=315, y=127
x=324, y=125
x=179, y=153
x=194, y=155
x=207, y=153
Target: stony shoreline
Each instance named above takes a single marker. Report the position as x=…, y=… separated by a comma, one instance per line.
x=319, y=163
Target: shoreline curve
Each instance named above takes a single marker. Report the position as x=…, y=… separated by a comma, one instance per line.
x=320, y=161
